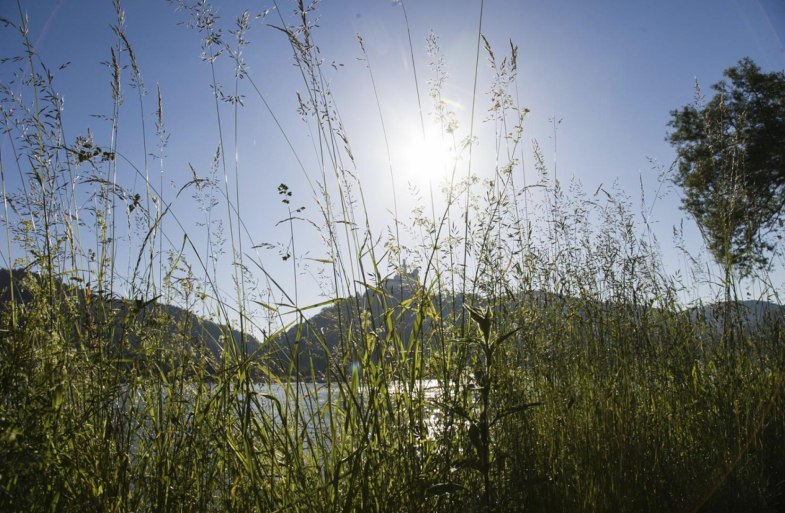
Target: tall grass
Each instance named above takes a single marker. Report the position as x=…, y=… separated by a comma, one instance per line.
x=568, y=375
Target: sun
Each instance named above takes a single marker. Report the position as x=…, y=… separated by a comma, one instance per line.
x=426, y=159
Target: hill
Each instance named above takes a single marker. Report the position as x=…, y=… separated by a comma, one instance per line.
x=130, y=324
x=389, y=311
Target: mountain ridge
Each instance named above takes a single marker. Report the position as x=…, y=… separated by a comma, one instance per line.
x=121, y=318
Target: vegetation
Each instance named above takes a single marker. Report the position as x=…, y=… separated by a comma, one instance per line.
x=572, y=379
x=731, y=153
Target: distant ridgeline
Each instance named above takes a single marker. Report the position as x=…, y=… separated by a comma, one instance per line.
x=142, y=332
x=337, y=335
x=147, y=334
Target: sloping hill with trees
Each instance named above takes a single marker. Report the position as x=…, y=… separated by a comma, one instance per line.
x=127, y=323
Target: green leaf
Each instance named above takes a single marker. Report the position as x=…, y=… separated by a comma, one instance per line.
x=265, y=305
x=483, y=319
x=370, y=287
x=443, y=488
x=317, y=305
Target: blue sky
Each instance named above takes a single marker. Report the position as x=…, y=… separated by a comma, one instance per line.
x=609, y=70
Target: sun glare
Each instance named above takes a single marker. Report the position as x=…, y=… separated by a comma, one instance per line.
x=426, y=160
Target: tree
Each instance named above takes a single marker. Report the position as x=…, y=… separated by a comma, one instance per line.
x=731, y=164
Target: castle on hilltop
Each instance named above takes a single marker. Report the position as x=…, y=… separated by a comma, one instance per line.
x=405, y=280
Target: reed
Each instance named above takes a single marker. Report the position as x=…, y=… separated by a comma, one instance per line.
x=567, y=374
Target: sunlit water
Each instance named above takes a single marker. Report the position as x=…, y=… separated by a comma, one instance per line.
x=317, y=401
x=304, y=405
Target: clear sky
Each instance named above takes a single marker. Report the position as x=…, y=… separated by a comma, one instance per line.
x=610, y=71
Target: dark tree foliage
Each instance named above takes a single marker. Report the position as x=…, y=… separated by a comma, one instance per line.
x=731, y=164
